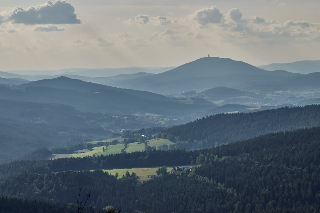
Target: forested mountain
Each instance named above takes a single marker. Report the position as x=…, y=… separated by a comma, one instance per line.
x=91, y=97
x=18, y=138
x=221, y=129
x=205, y=73
x=60, y=115
x=272, y=173
x=304, y=67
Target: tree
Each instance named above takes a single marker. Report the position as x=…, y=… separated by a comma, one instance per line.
x=162, y=171
x=81, y=201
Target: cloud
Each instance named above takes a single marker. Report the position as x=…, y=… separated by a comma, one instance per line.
x=303, y=24
x=233, y=24
x=141, y=19
x=162, y=20
x=145, y=19
x=49, y=29
x=124, y=35
x=206, y=16
x=258, y=20
x=12, y=31
x=52, y=12
x=166, y=35
x=104, y=43
x=234, y=15
x=168, y=32
x=1, y=19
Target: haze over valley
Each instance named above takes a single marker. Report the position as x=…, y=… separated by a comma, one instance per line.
x=159, y=106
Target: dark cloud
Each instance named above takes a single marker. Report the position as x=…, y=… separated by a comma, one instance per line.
x=206, y=16
x=49, y=29
x=58, y=12
x=235, y=15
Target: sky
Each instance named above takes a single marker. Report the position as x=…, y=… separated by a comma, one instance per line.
x=40, y=35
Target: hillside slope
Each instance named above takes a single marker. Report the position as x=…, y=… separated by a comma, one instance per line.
x=205, y=73
x=92, y=97
x=227, y=128
x=19, y=138
x=272, y=173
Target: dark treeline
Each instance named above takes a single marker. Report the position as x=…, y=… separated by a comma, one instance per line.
x=273, y=173
x=131, y=160
x=15, y=205
x=227, y=128
x=104, y=189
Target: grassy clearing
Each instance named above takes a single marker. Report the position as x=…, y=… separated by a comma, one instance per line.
x=120, y=139
x=113, y=149
x=159, y=142
x=143, y=173
x=135, y=147
x=95, y=151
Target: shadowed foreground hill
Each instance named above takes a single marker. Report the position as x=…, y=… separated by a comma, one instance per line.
x=14, y=205
x=272, y=173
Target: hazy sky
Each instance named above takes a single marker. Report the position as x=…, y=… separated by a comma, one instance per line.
x=36, y=34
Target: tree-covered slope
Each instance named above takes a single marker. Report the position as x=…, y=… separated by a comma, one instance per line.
x=227, y=128
x=97, y=98
x=19, y=138
x=15, y=205
x=273, y=173
x=205, y=73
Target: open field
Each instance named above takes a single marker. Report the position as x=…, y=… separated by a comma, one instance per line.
x=58, y=156
x=144, y=174
x=135, y=147
x=116, y=149
x=120, y=139
x=96, y=150
x=159, y=142
x=113, y=149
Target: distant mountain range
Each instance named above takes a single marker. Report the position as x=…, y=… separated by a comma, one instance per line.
x=110, y=81
x=203, y=74
x=98, y=98
x=12, y=81
x=303, y=67
x=103, y=72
